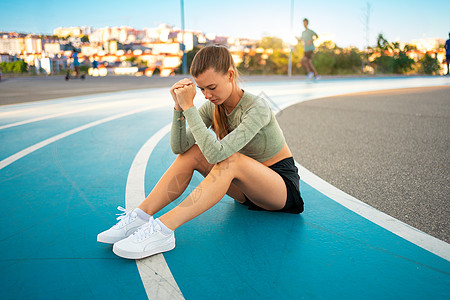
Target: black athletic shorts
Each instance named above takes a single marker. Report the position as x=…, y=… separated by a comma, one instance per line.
x=309, y=54
x=288, y=171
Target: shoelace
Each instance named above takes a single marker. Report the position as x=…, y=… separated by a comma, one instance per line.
x=125, y=217
x=145, y=231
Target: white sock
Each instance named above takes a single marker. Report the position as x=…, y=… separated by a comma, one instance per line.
x=142, y=214
x=164, y=228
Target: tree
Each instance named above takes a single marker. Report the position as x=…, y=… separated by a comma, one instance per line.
x=276, y=63
x=270, y=42
x=398, y=62
x=382, y=43
x=384, y=64
x=252, y=64
x=17, y=67
x=402, y=63
x=324, y=62
x=348, y=61
x=85, y=39
x=429, y=65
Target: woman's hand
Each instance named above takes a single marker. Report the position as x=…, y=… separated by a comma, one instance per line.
x=185, y=96
x=178, y=85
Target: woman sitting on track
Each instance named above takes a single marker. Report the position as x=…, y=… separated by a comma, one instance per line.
x=248, y=159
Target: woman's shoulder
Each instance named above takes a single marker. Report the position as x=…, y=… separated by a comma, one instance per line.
x=256, y=105
x=252, y=100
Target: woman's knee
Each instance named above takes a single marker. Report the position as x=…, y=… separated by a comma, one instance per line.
x=230, y=164
x=193, y=151
x=195, y=159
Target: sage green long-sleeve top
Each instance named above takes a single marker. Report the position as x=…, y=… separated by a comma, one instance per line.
x=254, y=131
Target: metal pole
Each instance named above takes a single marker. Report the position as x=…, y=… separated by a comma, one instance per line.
x=182, y=38
x=367, y=38
x=290, y=46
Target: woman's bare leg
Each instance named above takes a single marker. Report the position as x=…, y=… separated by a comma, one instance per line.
x=262, y=185
x=305, y=63
x=311, y=67
x=175, y=180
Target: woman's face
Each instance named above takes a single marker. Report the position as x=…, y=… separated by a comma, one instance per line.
x=215, y=86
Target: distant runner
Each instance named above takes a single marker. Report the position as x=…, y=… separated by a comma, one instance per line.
x=308, y=37
x=76, y=63
x=447, y=53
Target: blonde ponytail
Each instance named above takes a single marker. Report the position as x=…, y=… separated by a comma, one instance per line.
x=220, y=123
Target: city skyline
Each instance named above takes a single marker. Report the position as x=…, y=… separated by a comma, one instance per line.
x=342, y=22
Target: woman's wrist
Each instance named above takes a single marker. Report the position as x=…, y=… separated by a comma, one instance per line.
x=186, y=107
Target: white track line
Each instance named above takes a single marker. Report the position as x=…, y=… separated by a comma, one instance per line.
x=11, y=110
x=9, y=160
x=126, y=103
x=409, y=233
x=34, y=107
x=155, y=273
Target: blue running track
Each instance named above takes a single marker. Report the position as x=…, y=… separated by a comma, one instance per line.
x=66, y=164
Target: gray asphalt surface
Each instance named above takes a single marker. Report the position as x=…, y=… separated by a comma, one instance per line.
x=27, y=89
x=389, y=149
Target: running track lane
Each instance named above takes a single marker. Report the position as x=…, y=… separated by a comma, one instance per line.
x=56, y=195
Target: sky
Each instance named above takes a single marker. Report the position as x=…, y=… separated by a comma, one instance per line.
x=343, y=21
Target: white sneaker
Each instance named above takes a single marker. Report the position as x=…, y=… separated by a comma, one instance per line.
x=129, y=222
x=310, y=75
x=317, y=77
x=146, y=241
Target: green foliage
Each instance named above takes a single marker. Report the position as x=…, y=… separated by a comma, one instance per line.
x=324, y=62
x=270, y=42
x=17, y=67
x=85, y=39
x=402, y=63
x=384, y=64
x=141, y=63
x=334, y=60
x=328, y=60
x=83, y=68
x=398, y=62
x=157, y=71
x=382, y=43
x=131, y=59
x=429, y=65
x=277, y=63
x=252, y=64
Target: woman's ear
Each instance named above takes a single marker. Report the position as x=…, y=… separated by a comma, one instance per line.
x=231, y=74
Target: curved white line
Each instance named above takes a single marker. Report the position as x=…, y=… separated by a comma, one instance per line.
x=126, y=103
x=403, y=230
x=155, y=273
x=34, y=105
x=9, y=160
x=10, y=110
